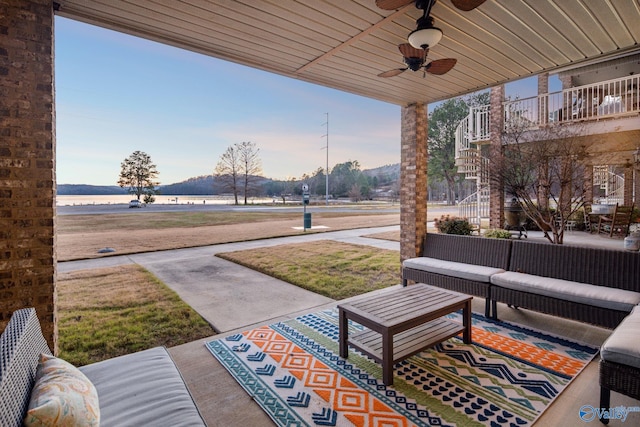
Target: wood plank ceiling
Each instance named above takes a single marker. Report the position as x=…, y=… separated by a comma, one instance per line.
x=345, y=44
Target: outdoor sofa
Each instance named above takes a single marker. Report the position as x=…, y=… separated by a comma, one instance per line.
x=143, y=388
x=459, y=263
x=591, y=285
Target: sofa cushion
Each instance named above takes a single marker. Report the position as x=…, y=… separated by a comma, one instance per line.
x=623, y=345
x=62, y=396
x=473, y=272
x=583, y=293
x=143, y=388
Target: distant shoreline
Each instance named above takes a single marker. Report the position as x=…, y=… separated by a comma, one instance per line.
x=120, y=199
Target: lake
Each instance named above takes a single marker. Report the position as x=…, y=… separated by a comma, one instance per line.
x=113, y=199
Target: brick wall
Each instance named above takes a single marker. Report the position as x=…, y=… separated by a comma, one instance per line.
x=543, y=88
x=496, y=201
x=629, y=183
x=27, y=156
x=413, y=181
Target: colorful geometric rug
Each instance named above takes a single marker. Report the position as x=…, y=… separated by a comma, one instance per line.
x=507, y=377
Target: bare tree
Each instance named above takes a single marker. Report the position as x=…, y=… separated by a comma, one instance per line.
x=139, y=173
x=239, y=168
x=228, y=170
x=544, y=170
x=250, y=165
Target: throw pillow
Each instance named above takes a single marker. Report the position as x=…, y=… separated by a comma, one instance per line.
x=62, y=396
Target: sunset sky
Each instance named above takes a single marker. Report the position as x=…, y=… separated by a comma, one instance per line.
x=116, y=94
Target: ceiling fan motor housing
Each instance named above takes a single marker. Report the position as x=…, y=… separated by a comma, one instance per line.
x=414, y=64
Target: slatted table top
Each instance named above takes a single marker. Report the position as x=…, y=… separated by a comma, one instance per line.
x=396, y=309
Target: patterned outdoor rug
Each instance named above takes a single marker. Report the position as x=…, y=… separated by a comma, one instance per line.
x=508, y=376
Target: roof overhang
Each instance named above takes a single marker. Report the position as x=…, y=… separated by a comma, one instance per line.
x=345, y=44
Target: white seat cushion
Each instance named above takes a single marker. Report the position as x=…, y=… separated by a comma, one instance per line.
x=142, y=389
x=583, y=293
x=473, y=272
x=623, y=345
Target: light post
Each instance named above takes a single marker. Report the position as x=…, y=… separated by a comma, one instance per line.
x=326, y=135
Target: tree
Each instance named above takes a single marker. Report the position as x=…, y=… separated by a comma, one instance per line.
x=343, y=177
x=545, y=175
x=228, y=171
x=239, y=168
x=443, y=123
x=139, y=174
x=250, y=165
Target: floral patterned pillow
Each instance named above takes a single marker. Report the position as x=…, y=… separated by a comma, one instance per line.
x=62, y=396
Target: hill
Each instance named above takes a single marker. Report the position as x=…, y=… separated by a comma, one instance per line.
x=88, y=190
x=205, y=185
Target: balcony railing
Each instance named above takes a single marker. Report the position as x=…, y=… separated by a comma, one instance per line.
x=612, y=98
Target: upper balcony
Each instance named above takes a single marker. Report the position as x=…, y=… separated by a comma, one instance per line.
x=606, y=107
x=594, y=102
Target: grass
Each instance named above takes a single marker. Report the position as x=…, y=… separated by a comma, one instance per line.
x=114, y=311
x=163, y=220
x=333, y=269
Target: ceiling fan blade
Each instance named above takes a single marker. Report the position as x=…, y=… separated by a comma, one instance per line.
x=440, y=66
x=467, y=5
x=392, y=73
x=409, y=51
x=392, y=4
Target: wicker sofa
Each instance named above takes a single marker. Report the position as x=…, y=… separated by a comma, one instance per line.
x=143, y=388
x=459, y=263
x=596, y=286
x=620, y=361
x=591, y=285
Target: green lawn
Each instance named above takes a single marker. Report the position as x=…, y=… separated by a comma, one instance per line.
x=333, y=269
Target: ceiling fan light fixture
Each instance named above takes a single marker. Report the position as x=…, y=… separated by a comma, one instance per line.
x=425, y=38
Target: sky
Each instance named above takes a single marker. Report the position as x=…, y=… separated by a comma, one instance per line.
x=116, y=94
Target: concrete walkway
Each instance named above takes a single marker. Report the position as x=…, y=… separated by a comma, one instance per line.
x=226, y=294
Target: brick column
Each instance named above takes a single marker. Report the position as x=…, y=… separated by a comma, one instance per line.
x=636, y=187
x=496, y=200
x=27, y=162
x=543, y=106
x=567, y=82
x=628, y=184
x=413, y=181
x=588, y=183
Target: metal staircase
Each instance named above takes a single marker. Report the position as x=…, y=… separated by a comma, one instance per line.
x=605, y=177
x=471, y=134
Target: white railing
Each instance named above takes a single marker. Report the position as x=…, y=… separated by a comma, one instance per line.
x=470, y=131
x=478, y=126
x=600, y=100
x=605, y=177
x=476, y=206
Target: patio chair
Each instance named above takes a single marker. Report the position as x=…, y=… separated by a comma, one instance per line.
x=590, y=219
x=618, y=223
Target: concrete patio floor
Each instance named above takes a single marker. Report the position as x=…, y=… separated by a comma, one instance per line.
x=234, y=299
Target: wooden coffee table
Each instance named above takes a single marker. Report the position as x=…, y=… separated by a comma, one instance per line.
x=403, y=323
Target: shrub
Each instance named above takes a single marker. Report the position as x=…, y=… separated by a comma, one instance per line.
x=497, y=233
x=453, y=225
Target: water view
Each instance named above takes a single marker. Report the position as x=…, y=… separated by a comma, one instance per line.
x=112, y=199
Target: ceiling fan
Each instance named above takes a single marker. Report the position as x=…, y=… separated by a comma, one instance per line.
x=415, y=60
x=423, y=37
